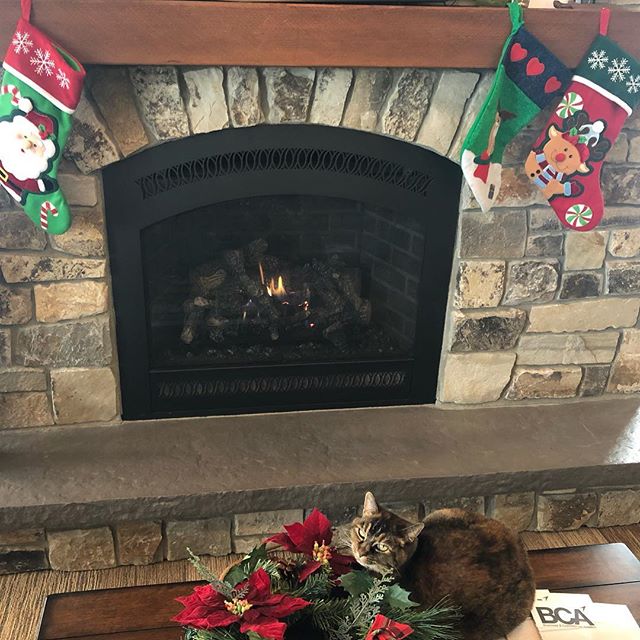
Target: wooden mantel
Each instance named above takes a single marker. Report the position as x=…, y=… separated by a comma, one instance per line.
x=192, y=32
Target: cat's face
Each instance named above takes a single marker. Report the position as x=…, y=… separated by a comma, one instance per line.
x=382, y=541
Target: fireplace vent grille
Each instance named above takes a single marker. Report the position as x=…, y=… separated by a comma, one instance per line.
x=284, y=159
x=279, y=384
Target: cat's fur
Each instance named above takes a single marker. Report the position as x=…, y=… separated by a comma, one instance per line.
x=477, y=562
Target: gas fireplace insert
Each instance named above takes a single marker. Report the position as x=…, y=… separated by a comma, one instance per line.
x=279, y=267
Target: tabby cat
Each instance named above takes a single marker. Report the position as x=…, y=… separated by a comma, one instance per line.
x=476, y=561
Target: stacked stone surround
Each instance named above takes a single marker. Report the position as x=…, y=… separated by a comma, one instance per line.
x=535, y=312
x=141, y=543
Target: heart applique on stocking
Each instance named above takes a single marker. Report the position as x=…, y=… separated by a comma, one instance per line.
x=528, y=78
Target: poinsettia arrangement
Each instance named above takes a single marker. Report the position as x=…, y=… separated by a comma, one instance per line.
x=317, y=595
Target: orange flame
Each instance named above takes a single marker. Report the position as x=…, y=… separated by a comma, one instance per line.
x=276, y=290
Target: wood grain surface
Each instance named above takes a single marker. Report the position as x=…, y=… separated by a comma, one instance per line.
x=609, y=573
x=189, y=32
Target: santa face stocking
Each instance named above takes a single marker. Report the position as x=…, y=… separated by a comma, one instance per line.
x=528, y=78
x=566, y=159
x=39, y=90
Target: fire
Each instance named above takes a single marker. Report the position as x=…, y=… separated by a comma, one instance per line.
x=276, y=290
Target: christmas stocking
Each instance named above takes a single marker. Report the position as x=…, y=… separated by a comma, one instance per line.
x=39, y=91
x=528, y=78
x=566, y=159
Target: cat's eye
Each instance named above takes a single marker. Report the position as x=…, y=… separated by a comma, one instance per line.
x=383, y=548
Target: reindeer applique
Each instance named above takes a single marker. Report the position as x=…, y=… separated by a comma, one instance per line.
x=565, y=153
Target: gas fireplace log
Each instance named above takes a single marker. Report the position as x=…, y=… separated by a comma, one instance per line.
x=254, y=289
x=193, y=316
x=206, y=278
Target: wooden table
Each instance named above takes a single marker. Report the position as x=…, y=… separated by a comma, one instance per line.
x=608, y=573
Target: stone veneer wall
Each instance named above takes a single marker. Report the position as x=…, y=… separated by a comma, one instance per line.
x=535, y=312
x=139, y=543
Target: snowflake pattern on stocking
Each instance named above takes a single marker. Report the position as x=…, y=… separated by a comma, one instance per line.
x=598, y=59
x=619, y=69
x=633, y=84
x=22, y=42
x=63, y=79
x=43, y=63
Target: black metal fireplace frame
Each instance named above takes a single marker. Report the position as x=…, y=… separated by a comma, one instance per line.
x=275, y=160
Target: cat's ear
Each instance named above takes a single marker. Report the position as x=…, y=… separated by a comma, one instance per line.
x=370, y=507
x=412, y=532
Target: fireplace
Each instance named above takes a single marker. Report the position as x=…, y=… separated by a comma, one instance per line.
x=279, y=268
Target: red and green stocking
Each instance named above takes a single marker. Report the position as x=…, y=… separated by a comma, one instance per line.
x=566, y=160
x=527, y=79
x=39, y=90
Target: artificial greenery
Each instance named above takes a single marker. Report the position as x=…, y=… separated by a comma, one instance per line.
x=353, y=606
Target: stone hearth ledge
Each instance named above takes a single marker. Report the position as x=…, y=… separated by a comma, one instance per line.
x=180, y=469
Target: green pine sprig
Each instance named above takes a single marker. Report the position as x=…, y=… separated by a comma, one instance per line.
x=439, y=622
x=219, y=585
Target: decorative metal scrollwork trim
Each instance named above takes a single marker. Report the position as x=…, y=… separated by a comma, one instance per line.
x=199, y=388
x=284, y=159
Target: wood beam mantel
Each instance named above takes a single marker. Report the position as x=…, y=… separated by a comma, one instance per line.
x=190, y=32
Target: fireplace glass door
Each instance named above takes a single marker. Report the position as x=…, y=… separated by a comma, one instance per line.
x=284, y=274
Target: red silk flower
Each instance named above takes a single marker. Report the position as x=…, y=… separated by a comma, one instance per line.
x=258, y=610
x=385, y=629
x=313, y=538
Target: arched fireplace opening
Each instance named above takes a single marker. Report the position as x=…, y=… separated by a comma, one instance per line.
x=277, y=268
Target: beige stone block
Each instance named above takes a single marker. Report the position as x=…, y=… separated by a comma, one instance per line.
x=473, y=503
x=90, y=144
x=69, y=300
x=288, y=93
x=243, y=94
x=407, y=103
x=368, y=96
x=158, y=95
x=138, y=543
x=584, y=315
x=24, y=410
x=79, y=190
x=624, y=243
x=81, y=549
x=5, y=347
x=559, y=512
x=205, y=100
x=544, y=382
x=265, y=522
x=22, y=379
x=85, y=237
x=16, y=306
x=330, y=96
x=619, y=507
x=204, y=537
x=85, y=343
x=83, y=395
x=575, y=348
x=246, y=544
x=445, y=110
x=515, y=510
x=634, y=149
x=585, y=250
x=476, y=377
x=113, y=93
x=479, y=283
x=22, y=539
x=17, y=231
x=620, y=149
x=625, y=371
x=38, y=268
